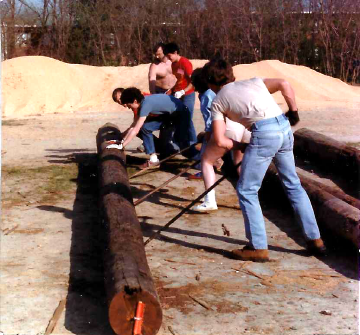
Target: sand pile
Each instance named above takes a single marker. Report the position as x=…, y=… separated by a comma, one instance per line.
x=36, y=85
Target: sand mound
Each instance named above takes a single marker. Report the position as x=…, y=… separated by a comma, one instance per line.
x=40, y=85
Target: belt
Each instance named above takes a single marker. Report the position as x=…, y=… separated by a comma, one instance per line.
x=278, y=118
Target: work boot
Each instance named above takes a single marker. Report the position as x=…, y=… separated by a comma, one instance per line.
x=316, y=247
x=248, y=253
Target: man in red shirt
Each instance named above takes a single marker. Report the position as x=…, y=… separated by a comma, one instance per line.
x=183, y=89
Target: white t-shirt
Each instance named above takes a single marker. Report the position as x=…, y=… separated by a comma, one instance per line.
x=245, y=101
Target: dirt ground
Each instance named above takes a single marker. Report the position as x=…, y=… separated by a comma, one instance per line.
x=50, y=247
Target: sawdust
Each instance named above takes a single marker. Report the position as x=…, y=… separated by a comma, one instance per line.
x=182, y=298
x=318, y=281
x=37, y=85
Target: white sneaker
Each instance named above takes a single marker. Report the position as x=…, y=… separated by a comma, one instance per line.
x=205, y=207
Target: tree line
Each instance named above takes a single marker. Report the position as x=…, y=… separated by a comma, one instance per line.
x=321, y=34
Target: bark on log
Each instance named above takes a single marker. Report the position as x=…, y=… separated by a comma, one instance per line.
x=331, y=213
x=127, y=275
x=327, y=152
x=338, y=193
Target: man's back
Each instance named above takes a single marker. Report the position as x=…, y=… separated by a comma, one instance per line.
x=160, y=104
x=245, y=101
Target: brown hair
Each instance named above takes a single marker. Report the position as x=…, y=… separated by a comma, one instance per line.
x=198, y=80
x=218, y=72
x=129, y=95
x=157, y=46
x=116, y=91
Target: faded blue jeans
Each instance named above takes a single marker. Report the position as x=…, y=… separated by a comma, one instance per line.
x=272, y=139
x=189, y=102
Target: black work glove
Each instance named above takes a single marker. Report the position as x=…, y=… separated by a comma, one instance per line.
x=293, y=117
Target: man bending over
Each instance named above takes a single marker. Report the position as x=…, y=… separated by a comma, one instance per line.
x=250, y=103
x=163, y=106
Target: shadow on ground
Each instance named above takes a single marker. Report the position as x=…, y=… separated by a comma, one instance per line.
x=86, y=307
x=342, y=257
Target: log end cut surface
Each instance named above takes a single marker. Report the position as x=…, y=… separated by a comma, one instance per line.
x=122, y=312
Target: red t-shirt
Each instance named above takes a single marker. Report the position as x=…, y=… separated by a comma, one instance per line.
x=182, y=70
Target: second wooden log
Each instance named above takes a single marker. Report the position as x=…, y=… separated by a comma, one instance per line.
x=332, y=213
x=330, y=154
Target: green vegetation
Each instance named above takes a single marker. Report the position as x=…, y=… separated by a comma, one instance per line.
x=12, y=123
x=45, y=184
x=353, y=144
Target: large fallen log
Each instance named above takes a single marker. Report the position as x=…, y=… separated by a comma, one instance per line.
x=336, y=192
x=328, y=153
x=332, y=213
x=127, y=275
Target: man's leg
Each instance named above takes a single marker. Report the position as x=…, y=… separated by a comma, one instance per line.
x=300, y=202
x=166, y=137
x=146, y=133
x=253, y=169
x=209, y=157
x=189, y=102
x=185, y=135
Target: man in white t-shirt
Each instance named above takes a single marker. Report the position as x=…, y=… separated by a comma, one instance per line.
x=250, y=103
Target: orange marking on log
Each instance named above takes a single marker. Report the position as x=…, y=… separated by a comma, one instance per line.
x=139, y=318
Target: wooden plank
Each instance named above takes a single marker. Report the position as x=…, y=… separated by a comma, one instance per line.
x=55, y=318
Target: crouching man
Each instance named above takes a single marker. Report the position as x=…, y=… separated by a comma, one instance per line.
x=161, y=107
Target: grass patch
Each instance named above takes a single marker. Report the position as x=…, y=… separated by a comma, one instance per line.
x=353, y=144
x=12, y=123
x=45, y=184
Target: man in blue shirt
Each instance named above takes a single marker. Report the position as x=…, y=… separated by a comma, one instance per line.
x=153, y=111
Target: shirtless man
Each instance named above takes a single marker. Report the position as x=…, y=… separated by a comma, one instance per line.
x=161, y=78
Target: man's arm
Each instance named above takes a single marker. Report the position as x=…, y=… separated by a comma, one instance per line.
x=188, y=69
x=219, y=128
x=274, y=85
x=124, y=133
x=152, y=78
x=134, y=131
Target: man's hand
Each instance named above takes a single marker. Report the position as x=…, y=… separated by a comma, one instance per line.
x=179, y=94
x=293, y=117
